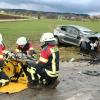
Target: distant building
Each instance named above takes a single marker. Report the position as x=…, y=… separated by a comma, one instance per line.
x=2, y=12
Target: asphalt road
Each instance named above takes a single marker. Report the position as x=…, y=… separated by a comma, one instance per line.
x=73, y=85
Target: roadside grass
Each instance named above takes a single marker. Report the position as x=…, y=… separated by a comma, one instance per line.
x=33, y=29
x=68, y=53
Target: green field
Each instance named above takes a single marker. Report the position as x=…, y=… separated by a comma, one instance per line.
x=34, y=28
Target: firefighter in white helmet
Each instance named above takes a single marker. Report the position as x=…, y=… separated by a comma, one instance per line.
x=2, y=47
x=24, y=46
x=47, y=66
x=3, y=77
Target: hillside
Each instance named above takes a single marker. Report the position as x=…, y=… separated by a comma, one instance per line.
x=35, y=13
x=9, y=16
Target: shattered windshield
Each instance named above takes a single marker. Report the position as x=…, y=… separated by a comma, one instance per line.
x=86, y=31
x=89, y=32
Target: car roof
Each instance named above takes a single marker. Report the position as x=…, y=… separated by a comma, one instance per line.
x=81, y=28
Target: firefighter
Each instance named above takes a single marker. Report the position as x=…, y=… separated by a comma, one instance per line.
x=3, y=77
x=47, y=66
x=2, y=49
x=25, y=46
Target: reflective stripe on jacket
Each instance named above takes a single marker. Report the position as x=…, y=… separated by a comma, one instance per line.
x=49, y=57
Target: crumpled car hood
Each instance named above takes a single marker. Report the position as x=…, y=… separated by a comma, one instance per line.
x=98, y=35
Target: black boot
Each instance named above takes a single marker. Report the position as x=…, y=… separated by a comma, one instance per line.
x=53, y=84
x=33, y=84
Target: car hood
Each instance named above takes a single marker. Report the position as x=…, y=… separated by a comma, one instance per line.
x=97, y=35
x=91, y=35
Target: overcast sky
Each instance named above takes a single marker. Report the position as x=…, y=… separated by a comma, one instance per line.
x=73, y=6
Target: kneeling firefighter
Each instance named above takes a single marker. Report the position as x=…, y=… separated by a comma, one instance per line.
x=46, y=70
x=3, y=77
x=25, y=46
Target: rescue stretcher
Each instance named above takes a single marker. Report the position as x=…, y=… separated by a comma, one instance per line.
x=14, y=67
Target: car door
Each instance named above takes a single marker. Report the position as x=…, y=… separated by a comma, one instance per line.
x=71, y=35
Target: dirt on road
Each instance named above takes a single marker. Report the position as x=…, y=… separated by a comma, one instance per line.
x=74, y=85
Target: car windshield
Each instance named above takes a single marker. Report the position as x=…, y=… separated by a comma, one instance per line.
x=89, y=32
x=86, y=31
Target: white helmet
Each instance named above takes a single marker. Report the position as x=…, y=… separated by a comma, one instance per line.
x=21, y=41
x=47, y=37
x=1, y=39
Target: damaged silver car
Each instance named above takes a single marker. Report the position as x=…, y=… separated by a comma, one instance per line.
x=72, y=34
x=76, y=35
